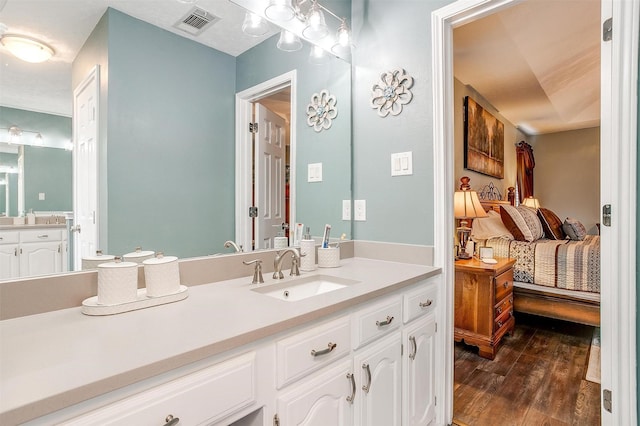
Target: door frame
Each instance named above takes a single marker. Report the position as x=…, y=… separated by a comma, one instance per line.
x=244, y=116
x=618, y=170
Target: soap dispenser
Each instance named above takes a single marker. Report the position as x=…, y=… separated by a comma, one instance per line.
x=31, y=217
x=307, y=252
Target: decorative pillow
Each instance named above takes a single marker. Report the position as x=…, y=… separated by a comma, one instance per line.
x=574, y=229
x=531, y=218
x=515, y=223
x=484, y=228
x=551, y=224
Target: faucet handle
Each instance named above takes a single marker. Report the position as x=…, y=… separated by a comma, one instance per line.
x=257, y=272
x=295, y=270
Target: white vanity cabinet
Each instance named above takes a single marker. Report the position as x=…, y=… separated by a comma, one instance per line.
x=29, y=252
x=9, y=259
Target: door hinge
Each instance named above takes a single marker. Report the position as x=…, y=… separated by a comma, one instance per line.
x=607, y=30
x=276, y=420
x=253, y=127
x=253, y=211
x=606, y=215
x=606, y=399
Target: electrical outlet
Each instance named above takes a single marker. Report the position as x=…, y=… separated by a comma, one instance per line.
x=41, y=196
x=360, y=210
x=346, y=209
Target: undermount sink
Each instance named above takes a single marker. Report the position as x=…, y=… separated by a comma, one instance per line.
x=303, y=288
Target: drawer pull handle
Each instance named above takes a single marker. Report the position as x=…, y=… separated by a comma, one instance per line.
x=506, y=284
x=385, y=322
x=351, y=397
x=499, y=309
x=330, y=347
x=426, y=304
x=511, y=300
x=366, y=387
x=500, y=324
x=43, y=236
x=1, y=238
x=171, y=421
x=414, y=347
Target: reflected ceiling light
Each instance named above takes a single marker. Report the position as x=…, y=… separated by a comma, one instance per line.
x=26, y=48
x=343, y=39
x=316, y=28
x=39, y=139
x=318, y=56
x=14, y=134
x=254, y=25
x=280, y=10
x=289, y=42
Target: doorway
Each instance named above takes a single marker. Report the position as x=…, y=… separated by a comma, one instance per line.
x=618, y=173
x=255, y=167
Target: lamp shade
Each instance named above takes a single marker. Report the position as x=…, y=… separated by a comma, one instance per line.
x=289, y=42
x=466, y=205
x=531, y=202
x=254, y=25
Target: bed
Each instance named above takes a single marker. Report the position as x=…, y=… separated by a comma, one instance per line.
x=556, y=278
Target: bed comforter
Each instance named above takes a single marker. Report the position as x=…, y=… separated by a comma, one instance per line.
x=567, y=264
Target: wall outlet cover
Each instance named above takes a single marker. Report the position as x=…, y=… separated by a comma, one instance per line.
x=360, y=210
x=314, y=172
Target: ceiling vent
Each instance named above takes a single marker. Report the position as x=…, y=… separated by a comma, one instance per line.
x=196, y=21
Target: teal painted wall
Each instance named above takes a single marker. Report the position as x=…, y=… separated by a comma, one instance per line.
x=317, y=203
x=11, y=160
x=48, y=171
x=399, y=209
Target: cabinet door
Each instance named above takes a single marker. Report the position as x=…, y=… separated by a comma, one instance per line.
x=419, y=376
x=9, y=261
x=40, y=258
x=324, y=400
x=379, y=378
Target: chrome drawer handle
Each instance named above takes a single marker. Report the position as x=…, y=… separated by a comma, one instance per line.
x=330, y=347
x=43, y=236
x=426, y=304
x=171, y=421
x=413, y=353
x=353, y=388
x=385, y=322
x=366, y=387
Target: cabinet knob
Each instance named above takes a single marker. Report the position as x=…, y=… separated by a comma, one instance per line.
x=171, y=421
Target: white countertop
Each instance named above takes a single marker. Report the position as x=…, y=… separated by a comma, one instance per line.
x=56, y=359
x=34, y=226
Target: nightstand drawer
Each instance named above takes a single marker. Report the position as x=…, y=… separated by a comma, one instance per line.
x=503, y=305
x=503, y=319
x=504, y=284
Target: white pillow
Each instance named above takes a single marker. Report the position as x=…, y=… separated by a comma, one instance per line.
x=489, y=227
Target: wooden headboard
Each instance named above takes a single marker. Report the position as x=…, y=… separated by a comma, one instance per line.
x=489, y=195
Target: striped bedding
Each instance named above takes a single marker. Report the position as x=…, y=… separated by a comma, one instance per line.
x=567, y=264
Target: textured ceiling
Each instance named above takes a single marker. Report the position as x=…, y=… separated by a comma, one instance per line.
x=537, y=63
x=66, y=24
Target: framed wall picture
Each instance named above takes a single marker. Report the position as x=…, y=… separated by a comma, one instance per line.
x=483, y=140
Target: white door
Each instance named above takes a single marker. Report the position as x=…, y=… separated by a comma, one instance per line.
x=379, y=378
x=85, y=162
x=322, y=401
x=270, y=165
x=419, y=376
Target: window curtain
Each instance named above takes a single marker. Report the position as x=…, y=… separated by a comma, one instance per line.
x=524, y=173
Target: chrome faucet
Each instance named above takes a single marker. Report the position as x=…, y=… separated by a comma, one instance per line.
x=277, y=263
x=230, y=243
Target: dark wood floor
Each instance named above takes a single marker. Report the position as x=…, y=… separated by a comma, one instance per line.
x=537, y=378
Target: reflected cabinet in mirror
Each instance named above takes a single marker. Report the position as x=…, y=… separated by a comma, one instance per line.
x=161, y=160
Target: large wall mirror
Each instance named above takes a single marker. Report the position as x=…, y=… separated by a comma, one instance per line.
x=167, y=133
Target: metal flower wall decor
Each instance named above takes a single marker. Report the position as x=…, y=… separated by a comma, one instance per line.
x=322, y=110
x=391, y=92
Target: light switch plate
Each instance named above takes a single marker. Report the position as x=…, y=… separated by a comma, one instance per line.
x=346, y=209
x=360, y=210
x=41, y=196
x=314, y=172
x=402, y=164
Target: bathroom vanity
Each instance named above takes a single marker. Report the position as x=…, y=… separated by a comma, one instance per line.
x=362, y=353
x=28, y=250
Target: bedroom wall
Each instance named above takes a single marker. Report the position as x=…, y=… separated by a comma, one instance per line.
x=566, y=178
x=511, y=136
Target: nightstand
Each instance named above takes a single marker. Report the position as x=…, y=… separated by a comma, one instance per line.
x=483, y=303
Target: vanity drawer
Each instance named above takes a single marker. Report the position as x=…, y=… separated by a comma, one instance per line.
x=504, y=284
x=420, y=301
x=9, y=237
x=36, y=236
x=309, y=350
x=376, y=321
x=208, y=395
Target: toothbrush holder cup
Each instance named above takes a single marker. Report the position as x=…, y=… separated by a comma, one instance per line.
x=328, y=257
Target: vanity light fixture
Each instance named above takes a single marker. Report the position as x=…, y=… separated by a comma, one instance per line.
x=254, y=25
x=39, y=139
x=316, y=28
x=343, y=39
x=289, y=42
x=280, y=10
x=16, y=136
x=318, y=56
x=27, y=48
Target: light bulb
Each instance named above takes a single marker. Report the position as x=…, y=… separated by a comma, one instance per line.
x=316, y=28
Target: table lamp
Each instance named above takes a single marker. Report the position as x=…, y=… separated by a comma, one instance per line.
x=466, y=205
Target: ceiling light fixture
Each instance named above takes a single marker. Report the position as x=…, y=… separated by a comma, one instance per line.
x=254, y=25
x=289, y=42
x=26, y=48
